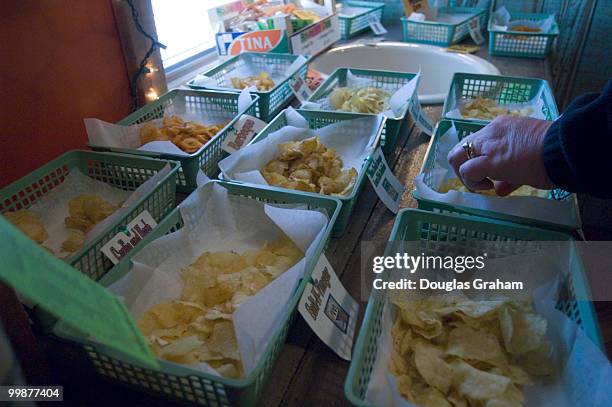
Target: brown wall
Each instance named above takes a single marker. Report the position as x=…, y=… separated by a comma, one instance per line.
x=60, y=61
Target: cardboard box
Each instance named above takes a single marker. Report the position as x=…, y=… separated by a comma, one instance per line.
x=310, y=40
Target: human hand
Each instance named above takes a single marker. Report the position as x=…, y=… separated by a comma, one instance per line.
x=507, y=153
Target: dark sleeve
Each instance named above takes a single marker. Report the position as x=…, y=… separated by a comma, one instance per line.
x=578, y=146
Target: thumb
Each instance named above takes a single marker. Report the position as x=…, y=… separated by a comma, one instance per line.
x=503, y=188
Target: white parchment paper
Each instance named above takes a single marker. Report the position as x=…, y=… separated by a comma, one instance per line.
x=561, y=212
x=398, y=101
x=584, y=378
x=353, y=140
x=53, y=208
x=104, y=134
x=217, y=221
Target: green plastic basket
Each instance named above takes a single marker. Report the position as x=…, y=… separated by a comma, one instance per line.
x=195, y=102
x=317, y=120
x=442, y=33
x=182, y=383
x=270, y=102
x=522, y=44
x=463, y=129
x=430, y=228
x=502, y=89
x=117, y=170
x=351, y=25
x=388, y=80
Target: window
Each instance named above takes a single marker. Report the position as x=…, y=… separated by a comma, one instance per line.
x=183, y=26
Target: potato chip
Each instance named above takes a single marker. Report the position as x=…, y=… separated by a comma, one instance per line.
x=450, y=350
x=29, y=223
x=522, y=332
x=198, y=327
x=86, y=211
x=188, y=136
x=473, y=344
x=309, y=166
x=488, y=109
x=263, y=82
x=431, y=397
x=477, y=384
x=456, y=185
x=367, y=99
x=74, y=242
x=432, y=367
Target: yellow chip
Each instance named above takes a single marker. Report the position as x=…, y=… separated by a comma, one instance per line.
x=477, y=384
x=472, y=344
x=432, y=367
x=522, y=331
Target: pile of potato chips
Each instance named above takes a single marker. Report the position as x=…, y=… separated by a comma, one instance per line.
x=263, y=82
x=85, y=211
x=198, y=327
x=308, y=165
x=457, y=185
x=450, y=351
x=360, y=100
x=188, y=136
x=488, y=109
x=29, y=223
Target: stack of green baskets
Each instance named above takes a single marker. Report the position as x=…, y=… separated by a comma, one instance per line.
x=192, y=102
x=183, y=383
x=429, y=229
x=522, y=44
x=388, y=80
x=464, y=129
x=119, y=171
x=270, y=102
x=502, y=89
x=317, y=120
x=441, y=32
x=354, y=16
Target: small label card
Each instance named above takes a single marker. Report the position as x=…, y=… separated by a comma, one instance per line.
x=376, y=25
x=299, y=87
x=245, y=129
x=475, y=30
x=123, y=242
x=329, y=309
x=421, y=119
x=387, y=187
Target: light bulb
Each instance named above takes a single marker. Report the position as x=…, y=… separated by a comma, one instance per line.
x=151, y=94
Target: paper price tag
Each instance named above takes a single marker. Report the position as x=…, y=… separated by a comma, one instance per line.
x=245, y=129
x=314, y=78
x=387, y=186
x=123, y=242
x=329, y=309
x=68, y=294
x=421, y=119
x=376, y=25
x=299, y=88
x=475, y=31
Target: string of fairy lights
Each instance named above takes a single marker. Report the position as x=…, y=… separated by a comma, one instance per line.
x=146, y=67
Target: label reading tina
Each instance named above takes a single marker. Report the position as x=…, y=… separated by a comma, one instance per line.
x=329, y=309
x=123, y=242
x=245, y=129
x=387, y=187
